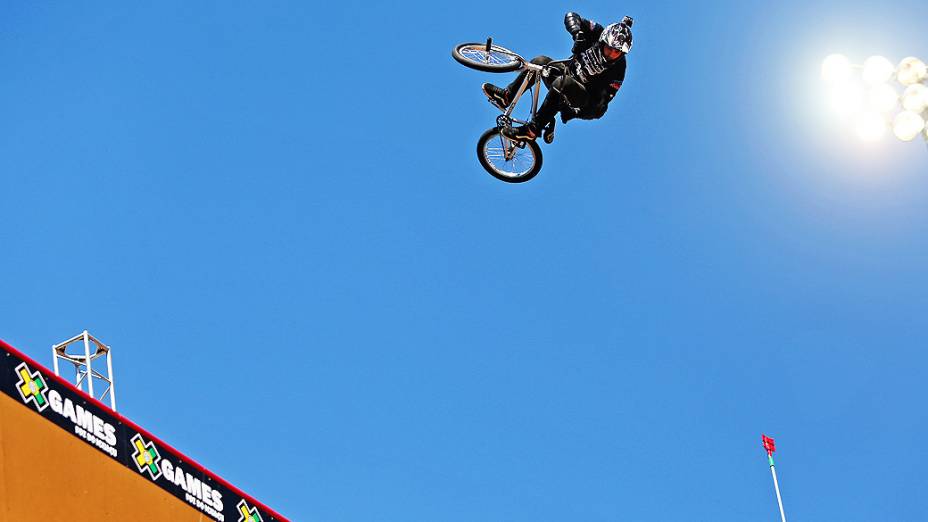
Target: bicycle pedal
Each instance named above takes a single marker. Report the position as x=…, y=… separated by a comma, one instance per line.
x=493, y=103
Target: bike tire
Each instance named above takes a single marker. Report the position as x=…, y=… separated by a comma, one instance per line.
x=521, y=175
x=474, y=55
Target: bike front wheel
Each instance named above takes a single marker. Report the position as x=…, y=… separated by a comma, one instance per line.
x=507, y=160
x=475, y=56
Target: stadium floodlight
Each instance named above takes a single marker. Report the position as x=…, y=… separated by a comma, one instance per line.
x=915, y=98
x=836, y=69
x=883, y=97
x=877, y=70
x=911, y=71
x=869, y=95
x=907, y=125
x=870, y=126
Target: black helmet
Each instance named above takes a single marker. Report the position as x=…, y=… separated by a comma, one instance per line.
x=619, y=36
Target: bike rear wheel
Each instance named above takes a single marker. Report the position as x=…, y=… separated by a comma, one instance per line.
x=522, y=165
x=475, y=56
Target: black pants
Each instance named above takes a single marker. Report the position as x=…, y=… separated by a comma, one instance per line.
x=564, y=92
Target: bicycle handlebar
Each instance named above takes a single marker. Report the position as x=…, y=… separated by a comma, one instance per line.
x=535, y=67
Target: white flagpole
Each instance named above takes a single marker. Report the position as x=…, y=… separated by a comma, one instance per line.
x=776, y=486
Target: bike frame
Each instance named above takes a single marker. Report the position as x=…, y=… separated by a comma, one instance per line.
x=533, y=82
x=538, y=71
x=534, y=78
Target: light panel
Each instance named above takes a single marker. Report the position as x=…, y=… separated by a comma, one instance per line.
x=911, y=71
x=871, y=99
x=915, y=98
x=877, y=70
x=907, y=125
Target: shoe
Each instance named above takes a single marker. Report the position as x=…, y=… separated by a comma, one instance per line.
x=547, y=133
x=522, y=133
x=498, y=97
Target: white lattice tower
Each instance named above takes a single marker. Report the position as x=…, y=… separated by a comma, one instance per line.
x=81, y=351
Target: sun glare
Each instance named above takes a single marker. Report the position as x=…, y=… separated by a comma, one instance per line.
x=846, y=99
x=882, y=98
x=836, y=69
x=871, y=126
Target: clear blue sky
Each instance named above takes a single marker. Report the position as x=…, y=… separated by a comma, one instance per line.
x=274, y=214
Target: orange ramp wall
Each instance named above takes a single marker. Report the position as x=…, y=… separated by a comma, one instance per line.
x=49, y=475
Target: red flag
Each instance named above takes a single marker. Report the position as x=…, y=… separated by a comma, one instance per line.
x=769, y=445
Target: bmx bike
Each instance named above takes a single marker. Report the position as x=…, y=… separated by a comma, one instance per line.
x=509, y=160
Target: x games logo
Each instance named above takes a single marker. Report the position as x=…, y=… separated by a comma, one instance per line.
x=32, y=387
x=248, y=514
x=146, y=457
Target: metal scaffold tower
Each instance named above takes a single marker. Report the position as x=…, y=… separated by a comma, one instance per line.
x=88, y=349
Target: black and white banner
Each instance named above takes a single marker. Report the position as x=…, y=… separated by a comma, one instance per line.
x=120, y=439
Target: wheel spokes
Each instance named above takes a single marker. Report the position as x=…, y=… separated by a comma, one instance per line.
x=520, y=162
x=494, y=57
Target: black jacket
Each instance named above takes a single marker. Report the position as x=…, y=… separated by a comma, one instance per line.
x=601, y=79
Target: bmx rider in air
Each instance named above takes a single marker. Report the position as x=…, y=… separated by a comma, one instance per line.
x=581, y=87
